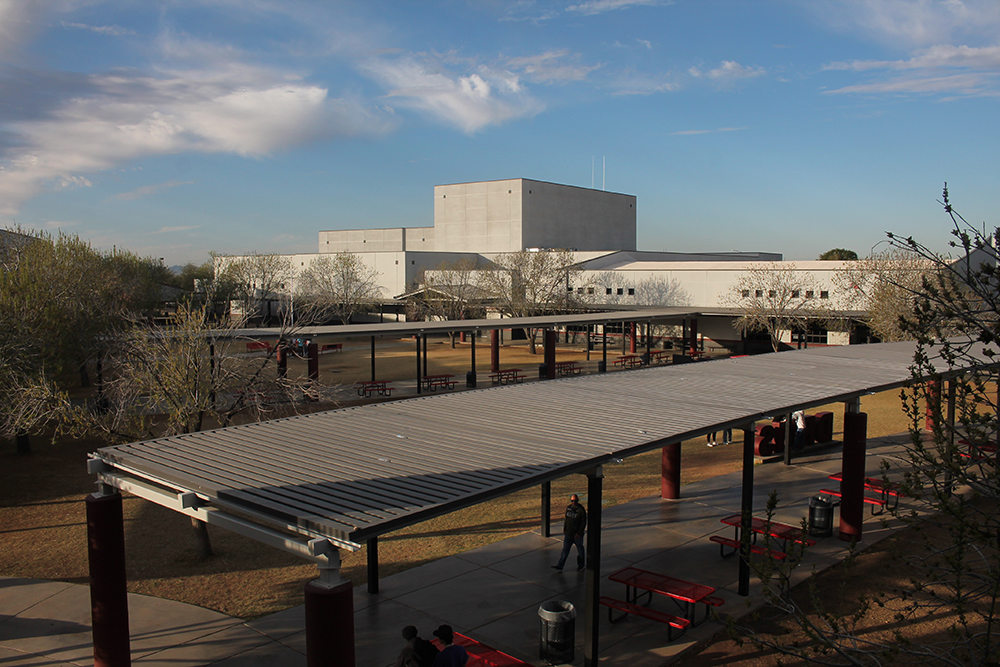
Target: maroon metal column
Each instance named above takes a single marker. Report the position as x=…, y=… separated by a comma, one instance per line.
x=933, y=404
x=282, y=357
x=550, y=353
x=670, y=467
x=852, y=485
x=495, y=351
x=631, y=345
x=108, y=595
x=329, y=624
x=313, y=349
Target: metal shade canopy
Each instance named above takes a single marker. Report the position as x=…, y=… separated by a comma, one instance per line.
x=344, y=476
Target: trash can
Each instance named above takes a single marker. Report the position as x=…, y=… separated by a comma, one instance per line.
x=820, y=516
x=543, y=371
x=602, y=366
x=557, y=637
x=470, y=379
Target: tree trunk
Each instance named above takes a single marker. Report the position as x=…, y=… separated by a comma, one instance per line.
x=84, y=375
x=530, y=335
x=203, y=546
x=23, y=443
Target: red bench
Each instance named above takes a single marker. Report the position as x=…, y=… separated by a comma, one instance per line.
x=874, y=502
x=481, y=654
x=258, y=345
x=724, y=542
x=336, y=347
x=381, y=387
x=672, y=622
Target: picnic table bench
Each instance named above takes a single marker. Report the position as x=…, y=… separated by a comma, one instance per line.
x=643, y=583
x=660, y=356
x=568, y=367
x=885, y=491
x=332, y=347
x=628, y=361
x=982, y=452
x=253, y=346
x=507, y=376
x=779, y=531
x=380, y=387
x=481, y=654
x=432, y=382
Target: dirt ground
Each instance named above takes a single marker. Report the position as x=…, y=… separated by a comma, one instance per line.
x=44, y=530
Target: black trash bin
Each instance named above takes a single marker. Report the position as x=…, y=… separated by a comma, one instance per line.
x=470, y=379
x=820, y=516
x=557, y=637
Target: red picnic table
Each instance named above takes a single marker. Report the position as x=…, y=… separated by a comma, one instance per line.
x=779, y=531
x=481, y=655
x=445, y=380
x=629, y=361
x=685, y=593
x=381, y=387
x=660, y=355
x=568, y=367
x=507, y=376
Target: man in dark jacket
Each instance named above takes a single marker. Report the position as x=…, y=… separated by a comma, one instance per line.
x=574, y=526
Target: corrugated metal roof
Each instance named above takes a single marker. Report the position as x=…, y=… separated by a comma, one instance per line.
x=355, y=473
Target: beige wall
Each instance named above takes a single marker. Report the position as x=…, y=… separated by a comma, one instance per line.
x=393, y=239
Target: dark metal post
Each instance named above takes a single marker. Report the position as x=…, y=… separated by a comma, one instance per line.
x=313, y=349
x=211, y=372
x=373, y=358
x=604, y=347
x=746, y=509
x=472, y=379
x=550, y=338
x=789, y=437
x=588, y=341
x=372, y=552
x=417, y=336
x=694, y=335
x=649, y=340
x=425, y=354
x=852, y=484
x=546, y=509
x=592, y=610
x=495, y=351
x=670, y=472
x=108, y=594
x=951, y=432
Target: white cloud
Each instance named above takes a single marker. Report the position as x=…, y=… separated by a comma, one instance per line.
x=120, y=117
x=113, y=30
x=942, y=55
x=592, y=7
x=911, y=23
x=964, y=84
x=549, y=67
x=168, y=230
x=147, y=190
x=470, y=102
x=727, y=72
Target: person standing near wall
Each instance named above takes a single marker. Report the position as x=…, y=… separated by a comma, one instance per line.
x=574, y=526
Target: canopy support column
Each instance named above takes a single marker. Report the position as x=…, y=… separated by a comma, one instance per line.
x=108, y=593
x=789, y=438
x=330, y=615
x=313, y=351
x=852, y=484
x=417, y=337
x=470, y=380
x=632, y=333
x=371, y=551
x=546, y=528
x=746, y=509
x=592, y=611
x=495, y=351
x=603, y=368
x=670, y=472
x=373, y=358
x=550, y=337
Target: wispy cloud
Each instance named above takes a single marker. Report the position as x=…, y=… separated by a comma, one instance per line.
x=113, y=30
x=728, y=71
x=964, y=84
x=148, y=190
x=469, y=101
x=168, y=230
x=600, y=6
x=942, y=55
x=551, y=67
x=912, y=23
x=719, y=129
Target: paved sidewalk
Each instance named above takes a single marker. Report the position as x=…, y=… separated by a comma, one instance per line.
x=492, y=593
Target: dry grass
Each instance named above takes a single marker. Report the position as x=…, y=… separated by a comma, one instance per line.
x=44, y=530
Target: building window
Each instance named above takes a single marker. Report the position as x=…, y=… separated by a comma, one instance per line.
x=590, y=290
x=758, y=293
x=795, y=294
x=824, y=295
x=810, y=294
x=413, y=262
x=608, y=291
x=397, y=262
x=771, y=294
x=816, y=335
x=620, y=291
x=569, y=289
x=746, y=293
x=631, y=291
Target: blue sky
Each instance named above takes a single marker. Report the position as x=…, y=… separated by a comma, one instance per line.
x=794, y=126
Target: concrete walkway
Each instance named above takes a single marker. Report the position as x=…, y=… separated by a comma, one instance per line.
x=491, y=593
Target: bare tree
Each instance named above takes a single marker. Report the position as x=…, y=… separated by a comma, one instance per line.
x=776, y=298
x=338, y=285
x=451, y=292
x=252, y=280
x=949, y=479
x=529, y=283
x=885, y=284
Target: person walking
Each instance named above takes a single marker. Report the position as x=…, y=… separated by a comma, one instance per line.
x=452, y=655
x=799, y=417
x=574, y=526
